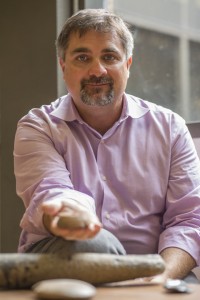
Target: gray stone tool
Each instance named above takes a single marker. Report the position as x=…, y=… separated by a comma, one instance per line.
x=20, y=271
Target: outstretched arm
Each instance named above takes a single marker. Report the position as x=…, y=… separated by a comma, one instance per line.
x=69, y=220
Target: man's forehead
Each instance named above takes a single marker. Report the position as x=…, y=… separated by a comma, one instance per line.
x=106, y=41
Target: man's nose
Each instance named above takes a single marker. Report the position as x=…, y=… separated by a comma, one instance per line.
x=97, y=68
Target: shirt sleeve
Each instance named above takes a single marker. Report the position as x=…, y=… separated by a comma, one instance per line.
x=181, y=221
x=41, y=172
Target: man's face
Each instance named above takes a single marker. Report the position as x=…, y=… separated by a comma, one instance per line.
x=95, y=68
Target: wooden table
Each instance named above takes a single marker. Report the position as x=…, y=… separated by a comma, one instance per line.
x=123, y=292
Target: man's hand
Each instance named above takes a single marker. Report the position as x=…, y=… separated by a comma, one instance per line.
x=70, y=221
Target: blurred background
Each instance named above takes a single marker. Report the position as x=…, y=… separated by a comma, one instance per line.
x=165, y=70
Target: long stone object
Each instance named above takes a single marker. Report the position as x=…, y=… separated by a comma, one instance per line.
x=22, y=270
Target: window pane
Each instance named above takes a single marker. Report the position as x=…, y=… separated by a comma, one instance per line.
x=154, y=70
x=195, y=80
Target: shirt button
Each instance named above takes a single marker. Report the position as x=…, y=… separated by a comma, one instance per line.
x=107, y=216
x=104, y=178
x=102, y=142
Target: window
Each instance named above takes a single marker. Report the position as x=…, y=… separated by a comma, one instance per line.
x=166, y=61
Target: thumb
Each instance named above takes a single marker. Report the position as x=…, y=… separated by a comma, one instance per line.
x=51, y=207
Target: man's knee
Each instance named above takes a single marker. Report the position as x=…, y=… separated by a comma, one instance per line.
x=106, y=242
x=103, y=242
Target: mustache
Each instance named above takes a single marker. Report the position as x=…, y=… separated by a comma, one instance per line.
x=97, y=80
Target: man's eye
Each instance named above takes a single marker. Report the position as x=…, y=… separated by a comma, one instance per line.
x=109, y=57
x=82, y=58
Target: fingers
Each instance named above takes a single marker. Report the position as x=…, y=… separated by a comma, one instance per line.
x=158, y=279
x=52, y=207
x=83, y=233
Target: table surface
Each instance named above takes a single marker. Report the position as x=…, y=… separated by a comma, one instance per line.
x=127, y=291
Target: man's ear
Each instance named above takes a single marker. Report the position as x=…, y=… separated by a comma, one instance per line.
x=129, y=63
x=62, y=64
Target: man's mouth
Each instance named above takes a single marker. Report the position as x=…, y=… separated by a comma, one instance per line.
x=96, y=82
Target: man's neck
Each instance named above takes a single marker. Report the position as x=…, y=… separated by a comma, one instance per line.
x=101, y=118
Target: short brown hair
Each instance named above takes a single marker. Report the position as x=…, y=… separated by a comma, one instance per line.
x=99, y=20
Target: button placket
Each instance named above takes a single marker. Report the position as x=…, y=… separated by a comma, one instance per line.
x=104, y=178
x=107, y=216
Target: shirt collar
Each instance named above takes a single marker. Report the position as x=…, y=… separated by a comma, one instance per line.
x=67, y=111
x=133, y=107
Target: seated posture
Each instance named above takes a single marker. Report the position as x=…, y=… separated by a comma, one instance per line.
x=125, y=167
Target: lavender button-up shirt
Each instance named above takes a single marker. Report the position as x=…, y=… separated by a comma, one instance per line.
x=142, y=177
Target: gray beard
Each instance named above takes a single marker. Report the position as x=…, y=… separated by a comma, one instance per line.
x=95, y=96
x=97, y=100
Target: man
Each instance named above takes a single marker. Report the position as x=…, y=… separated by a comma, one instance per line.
x=125, y=167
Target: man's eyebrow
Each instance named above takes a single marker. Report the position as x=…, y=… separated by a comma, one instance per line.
x=80, y=50
x=111, y=49
x=86, y=50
